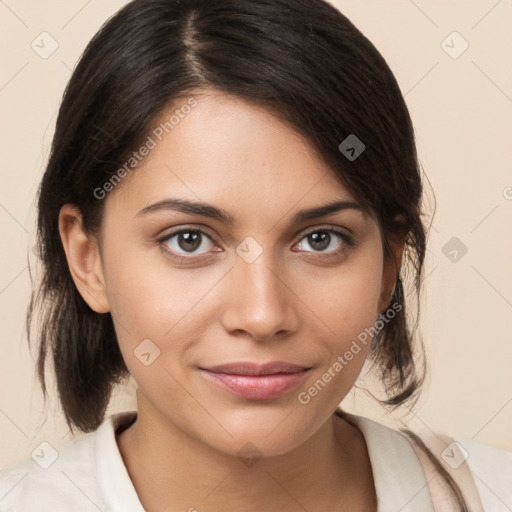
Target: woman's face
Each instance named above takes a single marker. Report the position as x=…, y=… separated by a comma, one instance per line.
x=265, y=285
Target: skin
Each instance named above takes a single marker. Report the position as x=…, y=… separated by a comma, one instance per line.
x=297, y=302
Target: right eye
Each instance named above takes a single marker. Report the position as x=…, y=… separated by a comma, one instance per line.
x=185, y=241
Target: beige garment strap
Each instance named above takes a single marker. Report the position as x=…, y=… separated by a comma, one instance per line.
x=453, y=458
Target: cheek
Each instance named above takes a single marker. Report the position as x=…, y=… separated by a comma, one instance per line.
x=345, y=304
x=346, y=300
x=152, y=316
x=150, y=300
x=357, y=308
x=145, y=293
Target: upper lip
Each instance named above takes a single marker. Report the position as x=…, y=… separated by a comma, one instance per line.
x=249, y=368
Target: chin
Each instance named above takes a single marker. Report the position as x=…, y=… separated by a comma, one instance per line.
x=266, y=432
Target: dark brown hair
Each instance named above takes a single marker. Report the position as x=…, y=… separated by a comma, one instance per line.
x=301, y=59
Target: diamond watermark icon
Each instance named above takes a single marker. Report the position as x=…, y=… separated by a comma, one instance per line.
x=249, y=250
x=44, y=45
x=146, y=352
x=454, y=455
x=351, y=147
x=45, y=455
x=454, y=249
x=454, y=45
x=249, y=454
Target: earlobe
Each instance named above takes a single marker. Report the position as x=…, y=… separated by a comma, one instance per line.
x=83, y=257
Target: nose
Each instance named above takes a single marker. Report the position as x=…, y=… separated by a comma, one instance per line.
x=260, y=301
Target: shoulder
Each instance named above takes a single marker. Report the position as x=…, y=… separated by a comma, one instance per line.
x=400, y=483
x=492, y=471
x=52, y=478
x=393, y=456
x=86, y=474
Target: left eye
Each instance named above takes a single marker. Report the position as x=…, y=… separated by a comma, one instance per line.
x=322, y=239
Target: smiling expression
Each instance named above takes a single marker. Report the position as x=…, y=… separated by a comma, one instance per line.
x=233, y=242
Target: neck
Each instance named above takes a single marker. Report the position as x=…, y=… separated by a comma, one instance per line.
x=174, y=471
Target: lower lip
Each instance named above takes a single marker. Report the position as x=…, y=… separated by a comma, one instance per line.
x=257, y=387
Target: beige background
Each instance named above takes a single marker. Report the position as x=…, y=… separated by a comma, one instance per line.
x=462, y=111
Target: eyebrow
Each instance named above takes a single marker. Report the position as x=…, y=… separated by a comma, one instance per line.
x=212, y=212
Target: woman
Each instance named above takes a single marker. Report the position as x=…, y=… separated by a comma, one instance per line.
x=230, y=210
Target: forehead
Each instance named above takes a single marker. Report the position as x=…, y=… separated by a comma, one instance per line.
x=230, y=152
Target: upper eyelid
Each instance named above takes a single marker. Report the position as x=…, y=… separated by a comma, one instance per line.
x=307, y=231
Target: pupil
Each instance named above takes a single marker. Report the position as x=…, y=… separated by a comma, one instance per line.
x=189, y=240
x=320, y=240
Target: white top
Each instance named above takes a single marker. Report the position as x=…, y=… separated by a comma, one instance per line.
x=87, y=474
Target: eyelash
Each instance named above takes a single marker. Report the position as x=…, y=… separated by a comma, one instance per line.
x=347, y=241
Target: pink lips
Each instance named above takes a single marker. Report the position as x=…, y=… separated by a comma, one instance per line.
x=256, y=382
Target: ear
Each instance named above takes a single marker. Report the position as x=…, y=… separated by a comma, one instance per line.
x=84, y=260
x=392, y=264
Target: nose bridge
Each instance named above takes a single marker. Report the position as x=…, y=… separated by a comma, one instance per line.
x=260, y=302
